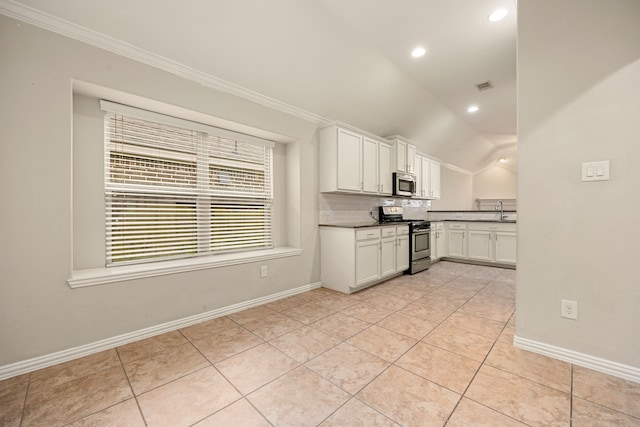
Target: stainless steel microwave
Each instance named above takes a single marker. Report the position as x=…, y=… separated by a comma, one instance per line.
x=404, y=184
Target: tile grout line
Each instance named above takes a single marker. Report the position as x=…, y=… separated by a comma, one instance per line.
x=485, y=357
x=463, y=395
x=217, y=370
x=571, y=400
x=24, y=404
x=144, y=420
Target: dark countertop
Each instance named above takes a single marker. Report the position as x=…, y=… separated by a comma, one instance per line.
x=489, y=211
x=507, y=221
x=364, y=224
x=391, y=224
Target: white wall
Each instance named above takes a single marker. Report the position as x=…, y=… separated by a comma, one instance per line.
x=495, y=183
x=39, y=312
x=579, y=100
x=455, y=190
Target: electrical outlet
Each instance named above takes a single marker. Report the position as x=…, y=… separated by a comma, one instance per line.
x=264, y=270
x=569, y=309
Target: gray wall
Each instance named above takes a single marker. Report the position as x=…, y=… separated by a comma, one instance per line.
x=39, y=313
x=579, y=100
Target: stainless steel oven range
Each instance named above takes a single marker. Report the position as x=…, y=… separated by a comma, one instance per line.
x=419, y=246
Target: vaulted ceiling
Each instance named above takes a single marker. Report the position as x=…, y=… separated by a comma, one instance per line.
x=345, y=60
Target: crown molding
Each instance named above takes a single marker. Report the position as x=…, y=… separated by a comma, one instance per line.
x=74, y=31
x=457, y=169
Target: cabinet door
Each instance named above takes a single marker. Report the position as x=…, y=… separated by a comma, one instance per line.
x=384, y=170
x=434, y=244
x=506, y=247
x=400, y=151
x=457, y=240
x=480, y=245
x=440, y=244
x=402, y=254
x=367, y=261
x=369, y=166
x=411, y=158
x=418, y=173
x=349, y=159
x=435, y=180
x=426, y=177
x=388, y=257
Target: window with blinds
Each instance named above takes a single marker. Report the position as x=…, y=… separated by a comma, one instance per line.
x=175, y=188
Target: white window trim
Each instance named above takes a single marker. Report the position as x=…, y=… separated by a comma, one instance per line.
x=101, y=276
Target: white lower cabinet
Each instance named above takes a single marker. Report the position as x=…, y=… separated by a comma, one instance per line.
x=367, y=261
x=457, y=240
x=506, y=247
x=402, y=248
x=387, y=251
x=489, y=242
x=437, y=241
x=354, y=258
x=480, y=245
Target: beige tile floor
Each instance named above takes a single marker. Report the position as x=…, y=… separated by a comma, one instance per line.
x=431, y=349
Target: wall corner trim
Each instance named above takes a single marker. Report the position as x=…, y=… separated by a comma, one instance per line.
x=74, y=31
x=30, y=365
x=605, y=366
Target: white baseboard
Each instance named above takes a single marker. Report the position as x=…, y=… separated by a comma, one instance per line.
x=30, y=365
x=616, y=369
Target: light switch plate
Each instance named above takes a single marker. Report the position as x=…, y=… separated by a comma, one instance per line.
x=595, y=171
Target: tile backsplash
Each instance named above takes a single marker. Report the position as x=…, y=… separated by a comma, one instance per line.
x=347, y=208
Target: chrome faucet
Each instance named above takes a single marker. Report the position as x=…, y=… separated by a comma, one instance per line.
x=500, y=206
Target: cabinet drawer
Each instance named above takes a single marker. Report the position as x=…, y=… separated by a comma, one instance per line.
x=437, y=225
x=402, y=230
x=368, y=233
x=457, y=226
x=388, y=231
x=492, y=226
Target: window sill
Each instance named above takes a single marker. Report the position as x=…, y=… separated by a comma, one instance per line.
x=101, y=276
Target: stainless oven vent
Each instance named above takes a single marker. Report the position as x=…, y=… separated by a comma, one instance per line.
x=484, y=86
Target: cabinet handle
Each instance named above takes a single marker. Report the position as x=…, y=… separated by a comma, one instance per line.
x=382, y=188
x=362, y=185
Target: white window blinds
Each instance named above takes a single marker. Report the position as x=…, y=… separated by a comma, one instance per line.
x=175, y=188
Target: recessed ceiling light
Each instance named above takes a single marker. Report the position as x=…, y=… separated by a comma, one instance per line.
x=472, y=109
x=497, y=15
x=418, y=52
x=502, y=160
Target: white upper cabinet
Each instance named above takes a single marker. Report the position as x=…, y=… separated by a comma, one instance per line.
x=434, y=192
x=369, y=165
x=385, y=182
x=411, y=158
x=353, y=162
x=403, y=156
x=427, y=177
x=349, y=159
